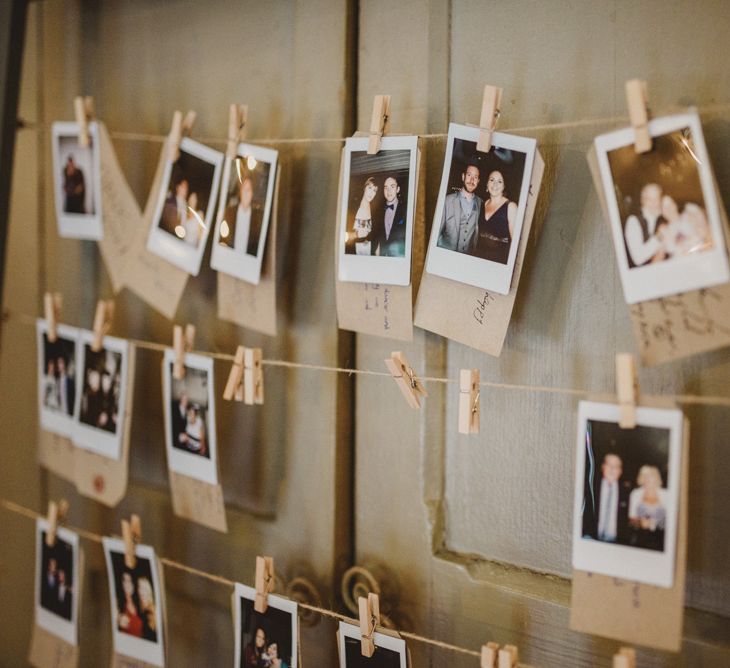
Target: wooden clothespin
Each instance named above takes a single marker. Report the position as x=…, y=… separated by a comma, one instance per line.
x=180, y=127
x=491, y=102
x=56, y=515
x=234, y=384
x=626, y=658
x=253, y=377
x=627, y=388
x=264, y=583
x=507, y=657
x=132, y=535
x=84, y=113
x=469, y=401
x=406, y=380
x=638, y=102
x=378, y=122
x=102, y=323
x=489, y=655
x=182, y=343
x=369, y=609
x=52, y=303
x=237, y=119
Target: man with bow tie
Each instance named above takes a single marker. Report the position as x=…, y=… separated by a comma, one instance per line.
x=389, y=228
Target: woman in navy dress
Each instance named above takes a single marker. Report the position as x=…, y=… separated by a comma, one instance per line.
x=496, y=223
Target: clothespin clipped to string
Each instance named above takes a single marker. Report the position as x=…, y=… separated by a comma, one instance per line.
x=237, y=119
x=469, y=401
x=253, y=377
x=56, y=515
x=491, y=102
x=378, y=122
x=84, y=113
x=264, y=583
x=234, y=384
x=132, y=536
x=406, y=380
x=625, y=658
x=52, y=302
x=489, y=655
x=507, y=657
x=627, y=389
x=102, y=323
x=182, y=343
x=638, y=103
x=180, y=127
x=369, y=609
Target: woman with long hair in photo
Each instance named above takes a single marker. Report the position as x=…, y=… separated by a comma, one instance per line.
x=147, y=609
x=254, y=656
x=359, y=240
x=129, y=620
x=647, y=509
x=496, y=224
x=272, y=650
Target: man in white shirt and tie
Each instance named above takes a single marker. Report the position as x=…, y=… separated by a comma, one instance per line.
x=642, y=243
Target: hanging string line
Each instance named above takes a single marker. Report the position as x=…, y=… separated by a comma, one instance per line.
x=688, y=399
x=707, y=110
x=219, y=579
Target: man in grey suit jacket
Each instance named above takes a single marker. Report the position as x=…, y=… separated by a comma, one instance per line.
x=460, y=222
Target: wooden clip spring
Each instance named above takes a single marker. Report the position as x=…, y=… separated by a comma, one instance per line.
x=378, y=122
x=132, y=536
x=102, y=323
x=369, y=610
x=627, y=388
x=406, y=380
x=489, y=655
x=52, y=303
x=264, y=583
x=237, y=119
x=56, y=515
x=253, y=377
x=507, y=657
x=625, y=658
x=637, y=100
x=84, y=113
x=469, y=401
x=182, y=344
x=234, y=384
x=491, y=102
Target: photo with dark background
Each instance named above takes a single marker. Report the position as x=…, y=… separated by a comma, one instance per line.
x=382, y=658
x=277, y=627
x=54, y=561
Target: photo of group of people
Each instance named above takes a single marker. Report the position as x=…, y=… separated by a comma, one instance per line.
x=663, y=209
x=390, y=652
x=189, y=408
x=77, y=182
x=101, y=390
x=626, y=491
x=56, y=578
x=269, y=639
x=135, y=602
x=57, y=378
x=185, y=207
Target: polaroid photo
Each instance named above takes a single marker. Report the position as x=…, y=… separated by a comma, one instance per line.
x=77, y=182
x=135, y=596
x=627, y=493
x=244, y=210
x=268, y=639
x=57, y=378
x=189, y=409
x=664, y=213
x=101, y=401
x=377, y=211
x=56, y=582
x=480, y=209
x=390, y=652
x=184, y=211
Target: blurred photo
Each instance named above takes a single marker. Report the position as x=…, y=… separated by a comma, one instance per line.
x=390, y=652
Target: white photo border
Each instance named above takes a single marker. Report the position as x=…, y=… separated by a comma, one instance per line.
x=462, y=267
x=623, y=561
x=241, y=265
x=383, y=640
x=77, y=225
x=681, y=274
x=189, y=464
x=173, y=250
x=374, y=269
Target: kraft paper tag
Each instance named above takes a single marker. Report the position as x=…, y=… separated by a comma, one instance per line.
x=158, y=283
x=678, y=326
x=198, y=501
x=376, y=308
x=634, y=612
x=56, y=453
x=248, y=305
x=473, y=316
x=121, y=213
x=102, y=478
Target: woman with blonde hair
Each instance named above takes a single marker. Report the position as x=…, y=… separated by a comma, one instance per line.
x=147, y=609
x=647, y=509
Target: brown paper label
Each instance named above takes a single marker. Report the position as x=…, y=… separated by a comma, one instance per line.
x=56, y=453
x=473, y=316
x=50, y=651
x=198, y=501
